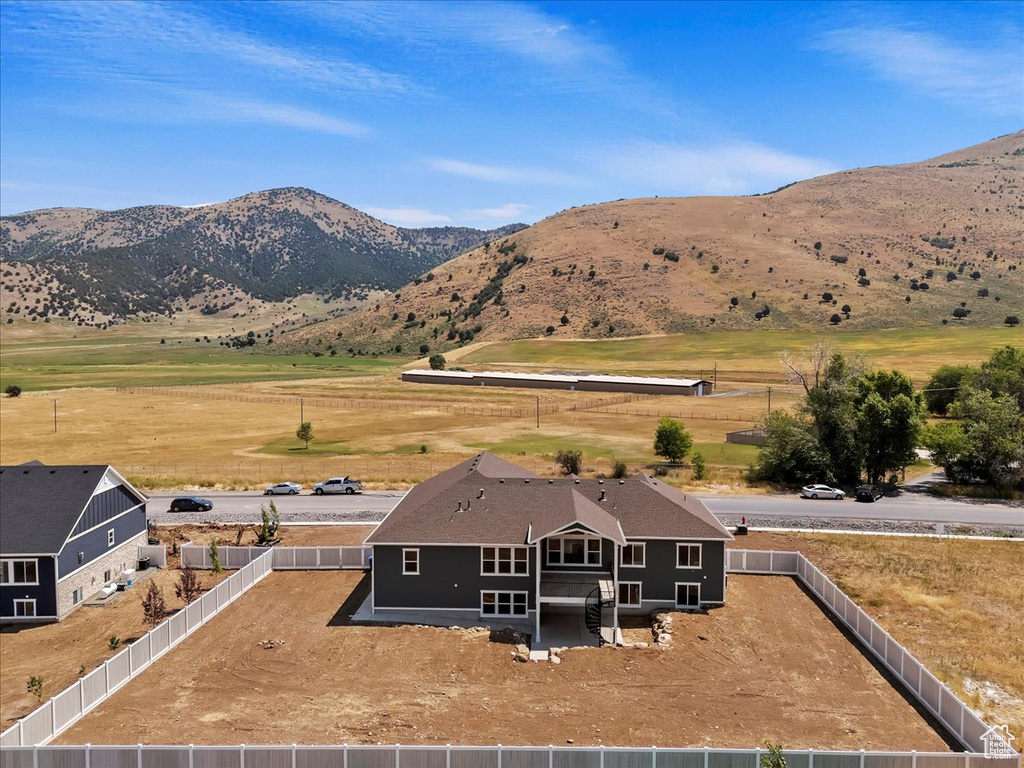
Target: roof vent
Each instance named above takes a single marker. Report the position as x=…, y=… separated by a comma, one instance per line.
x=550, y=481
x=527, y=481
x=502, y=480
x=481, y=495
x=604, y=496
x=600, y=482
x=577, y=481
x=622, y=482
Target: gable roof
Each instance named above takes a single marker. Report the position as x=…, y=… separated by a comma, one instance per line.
x=40, y=505
x=487, y=500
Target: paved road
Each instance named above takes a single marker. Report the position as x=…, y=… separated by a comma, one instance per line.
x=370, y=507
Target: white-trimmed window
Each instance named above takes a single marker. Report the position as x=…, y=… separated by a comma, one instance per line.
x=24, y=607
x=687, y=595
x=687, y=555
x=110, y=537
x=503, y=603
x=77, y=596
x=410, y=562
x=573, y=550
x=633, y=554
x=630, y=594
x=25, y=572
x=502, y=561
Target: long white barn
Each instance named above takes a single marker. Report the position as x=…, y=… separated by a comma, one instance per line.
x=644, y=385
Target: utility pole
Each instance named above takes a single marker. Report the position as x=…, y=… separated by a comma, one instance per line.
x=302, y=419
x=55, y=401
x=538, y=411
x=714, y=385
x=769, y=401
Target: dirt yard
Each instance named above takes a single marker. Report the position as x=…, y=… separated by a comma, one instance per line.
x=768, y=666
x=59, y=653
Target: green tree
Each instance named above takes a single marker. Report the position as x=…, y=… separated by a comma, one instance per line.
x=188, y=587
x=831, y=406
x=672, y=441
x=950, y=450
x=889, y=422
x=12, y=390
x=619, y=470
x=790, y=453
x=700, y=466
x=1003, y=373
x=35, y=687
x=305, y=432
x=271, y=520
x=437, y=362
x=571, y=462
x=773, y=757
x=215, y=565
x=994, y=428
x=943, y=386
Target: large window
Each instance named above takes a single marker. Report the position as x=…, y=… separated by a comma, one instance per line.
x=687, y=595
x=503, y=603
x=629, y=593
x=24, y=607
x=19, y=572
x=110, y=537
x=410, y=562
x=513, y=561
x=574, y=550
x=687, y=555
x=634, y=555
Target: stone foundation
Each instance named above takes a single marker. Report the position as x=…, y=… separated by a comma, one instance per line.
x=90, y=577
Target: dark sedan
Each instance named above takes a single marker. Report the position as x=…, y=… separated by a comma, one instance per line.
x=191, y=504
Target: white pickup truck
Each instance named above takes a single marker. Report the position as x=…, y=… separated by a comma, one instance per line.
x=338, y=485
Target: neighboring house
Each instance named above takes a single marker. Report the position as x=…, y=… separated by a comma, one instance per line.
x=65, y=531
x=488, y=539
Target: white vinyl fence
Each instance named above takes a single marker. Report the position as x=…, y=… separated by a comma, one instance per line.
x=398, y=756
x=69, y=705
x=285, y=558
x=936, y=697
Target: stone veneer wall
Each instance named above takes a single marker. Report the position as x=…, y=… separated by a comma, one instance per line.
x=90, y=577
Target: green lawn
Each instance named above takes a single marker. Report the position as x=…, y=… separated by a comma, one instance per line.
x=127, y=361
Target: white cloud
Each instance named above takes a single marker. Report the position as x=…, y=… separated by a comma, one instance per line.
x=239, y=110
x=501, y=174
x=722, y=169
x=989, y=79
x=507, y=212
x=408, y=217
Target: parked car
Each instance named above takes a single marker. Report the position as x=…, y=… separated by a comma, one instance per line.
x=821, y=492
x=191, y=504
x=283, y=488
x=338, y=485
x=868, y=493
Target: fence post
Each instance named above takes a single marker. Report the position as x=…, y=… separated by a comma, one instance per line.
x=810, y=760
x=81, y=702
x=344, y=757
x=241, y=756
x=53, y=718
x=190, y=757
x=551, y=756
x=707, y=756
x=88, y=756
x=499, y=757
x=913, y=759
x=295, y=750
x=654, y=757
x=601, y=753
x=398, y=755
x=757, y=758
x=448, y=756
x=862, y=758
x=138, y=756
x=35, y=756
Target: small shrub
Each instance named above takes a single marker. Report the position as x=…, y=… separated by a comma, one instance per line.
x=437, y=362
x=13, y=390
x=549, y=330
x=826, y=296
x=734, y=301
x=671, y=256
x=619, y=470
x=114, y=643
x=1012, y=320
x=817, y=246
x=215, y=565
x=424, y=349
x=700, y=466
x=564, y=320
x=839, y=259
x=863, y=282
x=35, y=687
x=835, y=319
x=188, y=587
x=571, y=462
x=154, y=608
x=714, y=269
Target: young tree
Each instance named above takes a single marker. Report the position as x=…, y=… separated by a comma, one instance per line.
x=154, y=608
x=619, y=470
x=437, y=362
x=700, y=466
x=773, y=757
x=305, y=432
x=271, y=519
x=188, y=587
x=35, y=687
x=571, y=462
x=671, y=440
x=215, y=565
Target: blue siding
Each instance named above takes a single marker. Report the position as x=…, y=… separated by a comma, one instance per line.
x=94, y=543
x=45, y=594
x=660, y=574
x=104, y=506
x=449, y=577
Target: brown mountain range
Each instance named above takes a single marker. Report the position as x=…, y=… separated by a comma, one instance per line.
x=910, y=245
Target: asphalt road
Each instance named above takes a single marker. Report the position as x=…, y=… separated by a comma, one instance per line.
x=371, y=506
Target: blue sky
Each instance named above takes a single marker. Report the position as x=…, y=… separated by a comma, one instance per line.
x=427, y=114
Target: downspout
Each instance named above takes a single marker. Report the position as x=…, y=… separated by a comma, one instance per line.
x=536, y=598
x=373, y=583
x=56, y=586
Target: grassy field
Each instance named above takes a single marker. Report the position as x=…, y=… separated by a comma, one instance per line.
x=955, y=604
x=917, y=352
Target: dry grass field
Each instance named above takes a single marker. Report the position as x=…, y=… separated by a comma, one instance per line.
x=325, y=681
x=957, y=605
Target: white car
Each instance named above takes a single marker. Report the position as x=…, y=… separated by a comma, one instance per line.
x=821, y=492
x=283, y=488
x=338, y=485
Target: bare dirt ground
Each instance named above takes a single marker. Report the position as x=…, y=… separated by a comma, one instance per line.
x=80, y=643
x=290, y=535
x=768, y=666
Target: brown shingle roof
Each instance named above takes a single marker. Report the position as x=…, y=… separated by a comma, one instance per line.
x=448, y=508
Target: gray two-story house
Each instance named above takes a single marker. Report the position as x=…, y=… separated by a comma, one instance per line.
x=489, y=540
x=65, y=532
